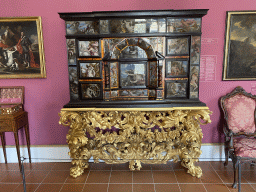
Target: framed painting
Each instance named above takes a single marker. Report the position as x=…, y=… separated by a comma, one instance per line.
x=114, y=75
x=194, y=80
x=82, y=27
x=71, y=49
x=90, y=69
x=176, y=68
x=88, y=48
x=133, y=93
x=177, y=46
x=91, y=90
x=21, y=48
x=133, y=75
x=240, y=46
x=176, y=89
x=73, y=82
x=184, y=25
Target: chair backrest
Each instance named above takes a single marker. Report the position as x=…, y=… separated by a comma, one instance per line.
x=239, y=110
x=12, y=95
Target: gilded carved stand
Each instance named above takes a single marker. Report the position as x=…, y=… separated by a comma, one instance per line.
x=140, y=135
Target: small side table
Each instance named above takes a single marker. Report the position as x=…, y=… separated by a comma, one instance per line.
x=12, y=123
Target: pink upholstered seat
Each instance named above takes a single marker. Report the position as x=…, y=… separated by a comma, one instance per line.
x=245, y=147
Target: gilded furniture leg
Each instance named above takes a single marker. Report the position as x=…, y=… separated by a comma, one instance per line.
x=191, y=140
x=3, y=145
x=77, y=141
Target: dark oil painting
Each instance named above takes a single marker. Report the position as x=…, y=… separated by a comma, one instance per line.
x=240, y=47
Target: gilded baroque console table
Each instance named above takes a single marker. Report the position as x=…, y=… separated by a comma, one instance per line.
x=134, y=87
x=141, y=135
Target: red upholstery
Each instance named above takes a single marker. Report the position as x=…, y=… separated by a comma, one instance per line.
x=240, y=113
x=245, y=147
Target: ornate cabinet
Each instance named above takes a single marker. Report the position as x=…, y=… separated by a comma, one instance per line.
x=136, y=72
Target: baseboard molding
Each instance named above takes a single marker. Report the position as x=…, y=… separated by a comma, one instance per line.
x=59, y=153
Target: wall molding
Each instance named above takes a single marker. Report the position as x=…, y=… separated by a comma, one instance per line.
x=59, y=153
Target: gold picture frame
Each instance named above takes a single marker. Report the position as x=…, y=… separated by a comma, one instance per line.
x=21, y=48
x=240, y=46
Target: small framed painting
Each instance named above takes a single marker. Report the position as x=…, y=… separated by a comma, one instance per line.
x=71, y=49
x=184, y=25
x=177, y=46
x=133, y=75
x=176, y=68
x=88, y=48
x=90, y=70
x=91, y=90
x=176, y=89
x=194, y=80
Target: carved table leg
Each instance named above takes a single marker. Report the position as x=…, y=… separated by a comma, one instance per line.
x=188, y=157
x=76, y=139
x=191, y=140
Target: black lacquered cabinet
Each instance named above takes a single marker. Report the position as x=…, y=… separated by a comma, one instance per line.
x=134, y=58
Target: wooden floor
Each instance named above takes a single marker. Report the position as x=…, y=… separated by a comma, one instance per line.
x=51, y=177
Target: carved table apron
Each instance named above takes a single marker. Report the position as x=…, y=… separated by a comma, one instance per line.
x=140, y=135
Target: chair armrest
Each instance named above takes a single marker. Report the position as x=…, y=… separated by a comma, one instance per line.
x=245, y=134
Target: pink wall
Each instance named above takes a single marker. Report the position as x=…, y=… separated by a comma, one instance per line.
x=45, y=97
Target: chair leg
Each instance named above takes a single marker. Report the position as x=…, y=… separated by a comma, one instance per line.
x=28, y=141
x=239, y=176
x=235, y=166
x=3, y=145
x=16, y=136
x=226, y=156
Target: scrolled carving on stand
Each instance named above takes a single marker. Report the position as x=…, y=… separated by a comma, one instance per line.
x=140, y=137
x=76, y=139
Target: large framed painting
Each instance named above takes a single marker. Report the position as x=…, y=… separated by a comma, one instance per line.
x=240, y=46
x=21, y=48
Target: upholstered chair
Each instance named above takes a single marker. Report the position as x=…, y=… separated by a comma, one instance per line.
x=239, y=129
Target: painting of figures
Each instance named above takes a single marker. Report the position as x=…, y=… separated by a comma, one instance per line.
x=176, y=89
x=195, y=50
x=240, y=46
x=194, y=80
x=184, y=25
x=176, y=68
x=82, y=27
x=21, y=48
x=71, y=46
x=73, y=83
x=177, y=46
x=91, y=91
x=133, y=75
x=114, y=75
x=90, y=70
x=88, y=48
